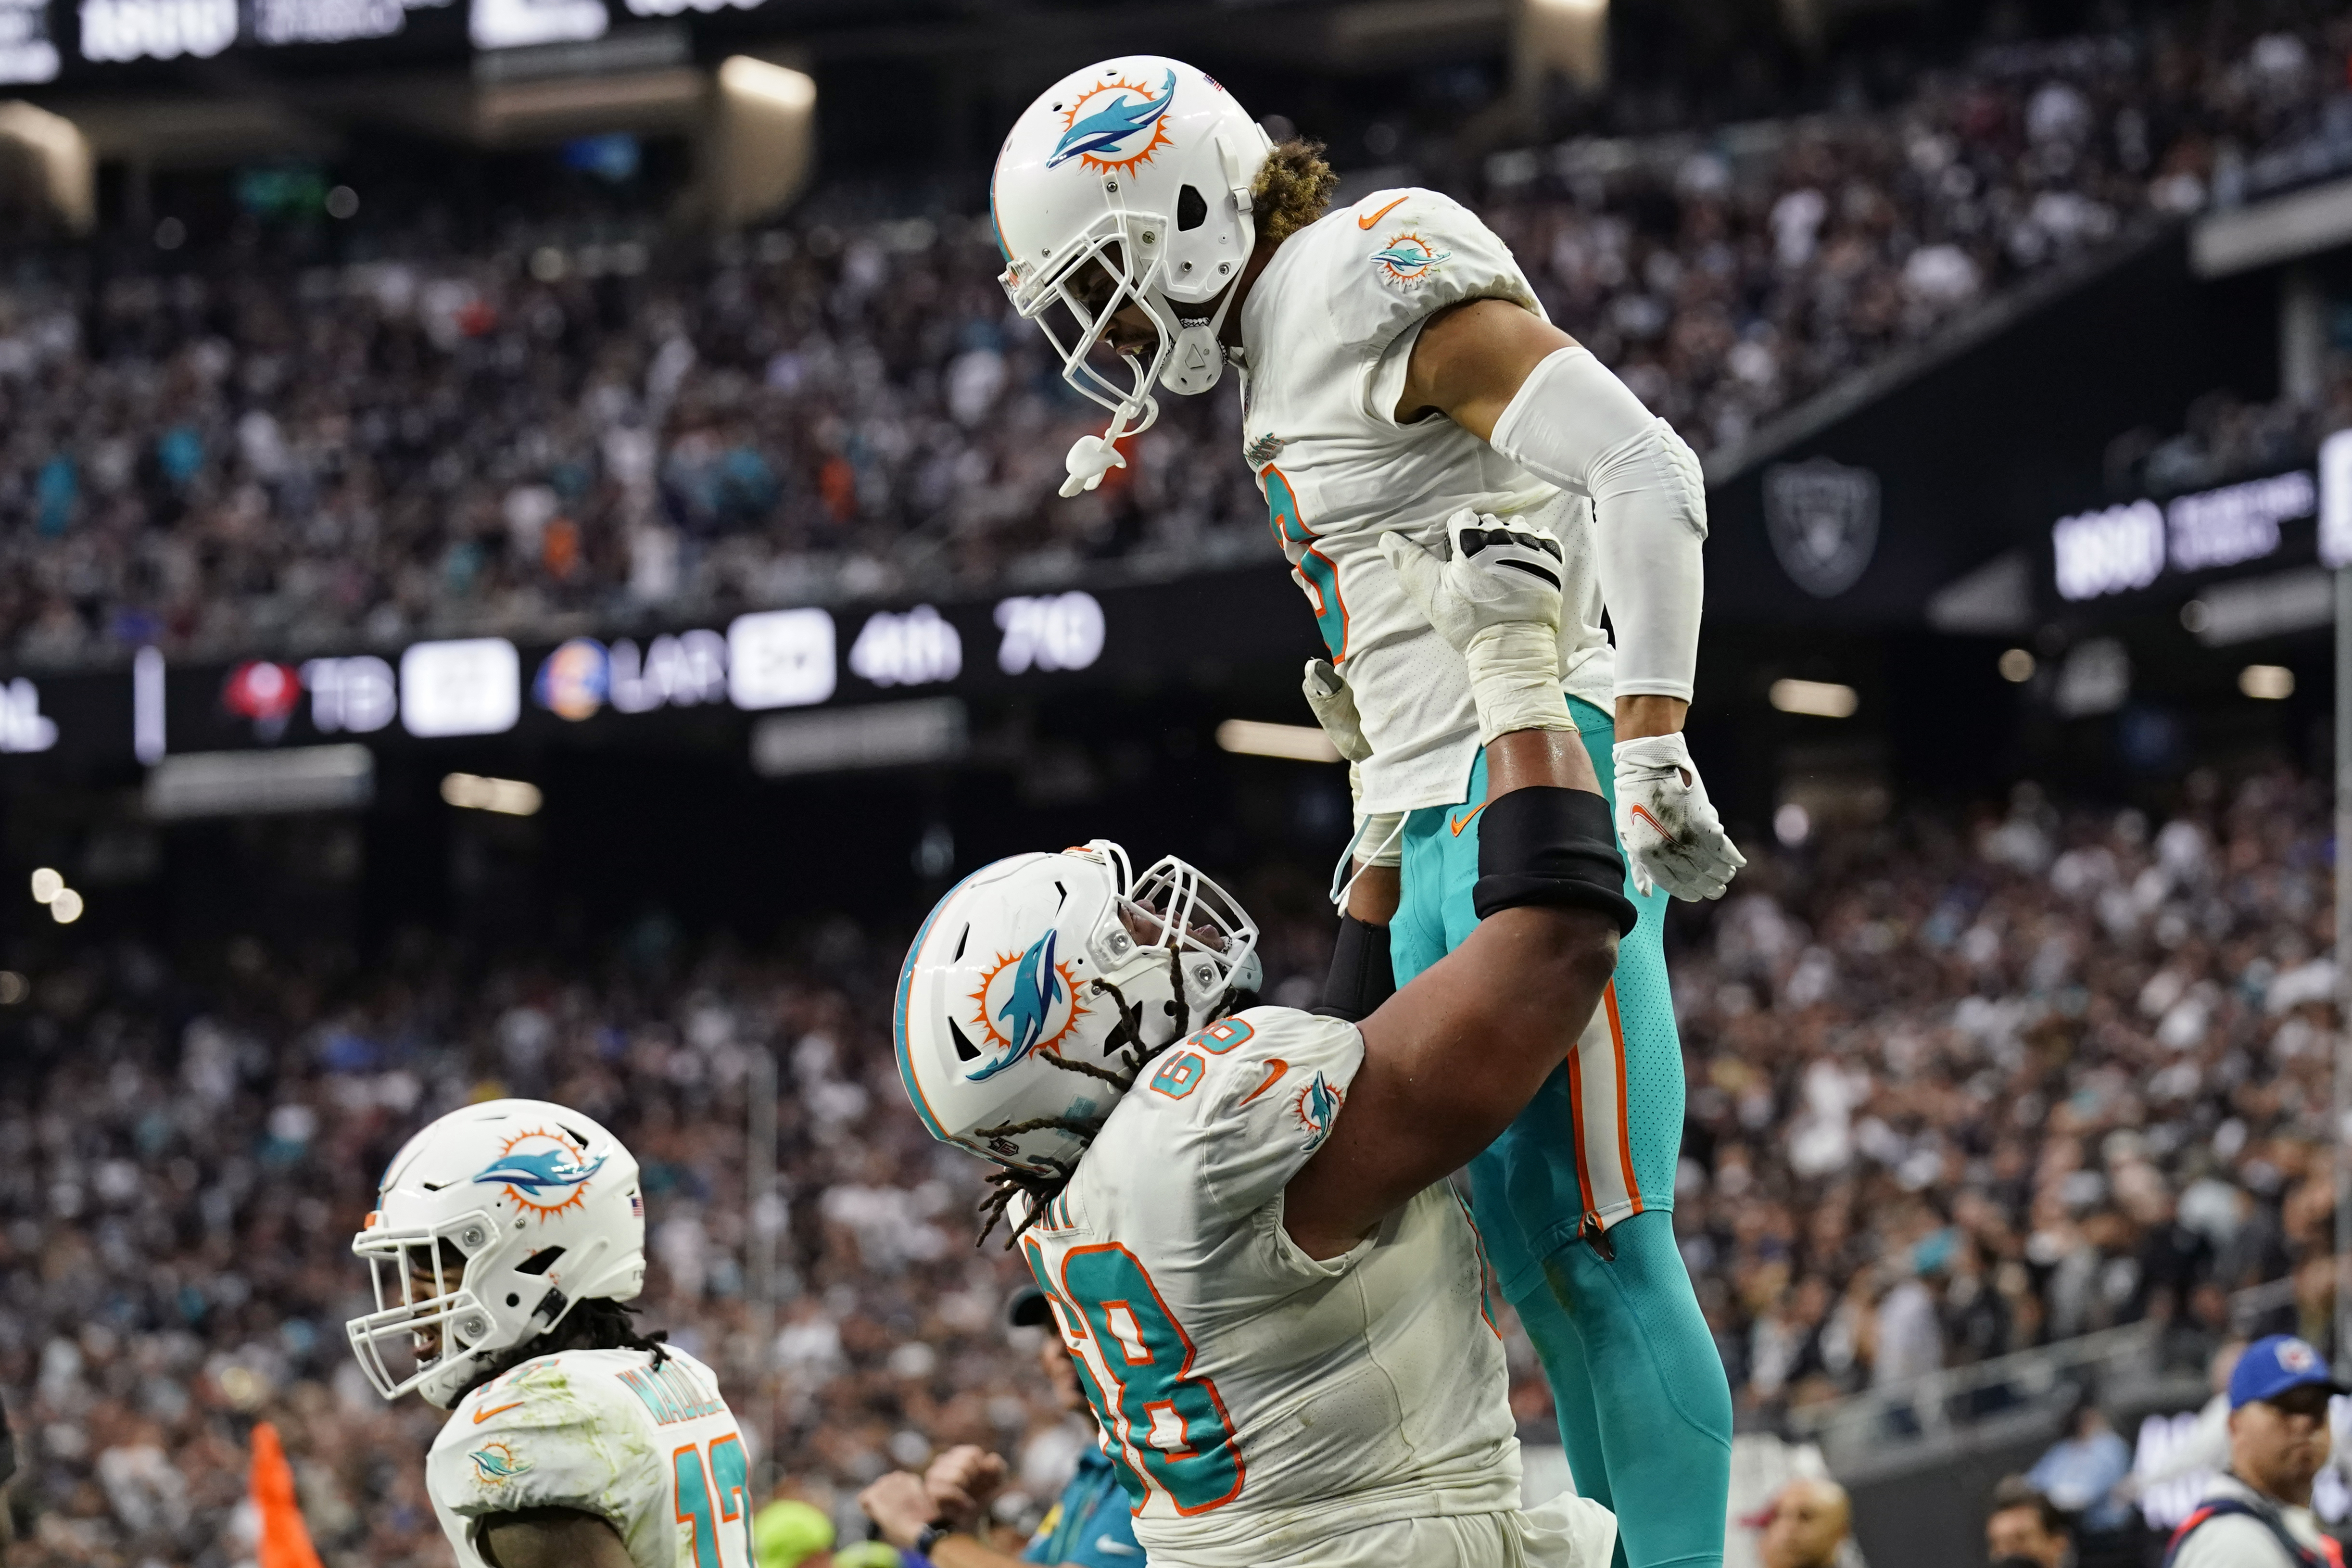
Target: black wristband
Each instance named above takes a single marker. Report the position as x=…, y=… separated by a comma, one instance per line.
x=1361, y=975
x=1554, y=846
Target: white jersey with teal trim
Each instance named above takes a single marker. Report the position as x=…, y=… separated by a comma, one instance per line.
x=1257, y=1402
x=651, y=1449
x=1327, y=333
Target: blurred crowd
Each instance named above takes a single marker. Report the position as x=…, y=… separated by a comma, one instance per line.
x=2224, y=437
x=226, y=452
x=1958, y=1088
x=1961, y=1089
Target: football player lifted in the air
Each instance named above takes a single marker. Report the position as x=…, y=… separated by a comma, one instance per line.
x=1241, y=1219
x=507, y=1242
x=1396, y=367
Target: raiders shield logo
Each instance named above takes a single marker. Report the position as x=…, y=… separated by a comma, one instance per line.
x=1824, y=520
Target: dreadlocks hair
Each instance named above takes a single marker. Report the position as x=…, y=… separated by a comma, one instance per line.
x=1292, y=190
x=598, y=1323
x=1042, y=1187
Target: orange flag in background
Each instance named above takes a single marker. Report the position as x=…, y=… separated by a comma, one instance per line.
x=285, y=1542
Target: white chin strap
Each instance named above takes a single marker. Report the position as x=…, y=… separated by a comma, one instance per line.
x=1192, y=364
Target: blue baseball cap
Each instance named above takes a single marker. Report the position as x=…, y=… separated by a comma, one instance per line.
x=2278, y=1364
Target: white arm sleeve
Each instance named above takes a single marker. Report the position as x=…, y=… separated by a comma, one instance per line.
x=1573, y=422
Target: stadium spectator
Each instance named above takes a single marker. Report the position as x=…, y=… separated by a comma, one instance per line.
x=2023, y=1528
x=942, y=1515
x=2258, y=1514
x=2083, y=1469
x=1811, y=1521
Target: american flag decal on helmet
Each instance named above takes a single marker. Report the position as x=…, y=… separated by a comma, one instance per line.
x=637, y=1206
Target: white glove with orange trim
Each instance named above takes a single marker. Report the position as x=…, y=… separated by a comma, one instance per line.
x=1672, y=837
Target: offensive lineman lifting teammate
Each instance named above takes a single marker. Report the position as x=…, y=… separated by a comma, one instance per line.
x=1242, y=1220
x=1397, y=368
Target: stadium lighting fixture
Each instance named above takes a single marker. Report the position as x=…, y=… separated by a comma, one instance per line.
x=47, y=885
x=1815, y=698
x=65, y=908
x=2017, y=666
x=14, y=988
x=1293, y=743
x=509, y=798
x=2266, y=682
x=792, y=89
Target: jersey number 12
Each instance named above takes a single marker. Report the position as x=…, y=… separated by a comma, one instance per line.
x=726, y=1474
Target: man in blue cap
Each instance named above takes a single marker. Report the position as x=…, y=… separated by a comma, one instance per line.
x=938, y=1517
x=2258, y=1513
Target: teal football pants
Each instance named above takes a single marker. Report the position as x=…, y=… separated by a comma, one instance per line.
x=1644, y=1408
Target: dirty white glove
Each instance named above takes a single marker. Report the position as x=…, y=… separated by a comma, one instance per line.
x=1672, y=837
x=1378, y=839
x=1495, y=596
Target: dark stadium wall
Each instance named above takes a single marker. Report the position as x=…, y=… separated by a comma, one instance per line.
x=1980, y=452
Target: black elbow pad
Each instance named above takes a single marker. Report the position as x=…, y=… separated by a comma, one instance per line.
x=1554, y=846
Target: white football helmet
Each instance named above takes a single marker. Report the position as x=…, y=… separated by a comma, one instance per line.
x=1143, y=164
x=1009, y=1007
x=541, y=1202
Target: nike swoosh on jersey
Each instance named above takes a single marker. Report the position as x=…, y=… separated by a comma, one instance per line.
x=1275, y=1067
x=1368, y=222
x=1459, y=822
x=482, y=1416
x=1117, y=1548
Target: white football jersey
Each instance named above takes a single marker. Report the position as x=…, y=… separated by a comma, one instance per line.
x=652, y=1449
x=1257, y=1402
x=1327, y=333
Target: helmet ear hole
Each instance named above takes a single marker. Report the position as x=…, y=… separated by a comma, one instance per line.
x=1192, y=209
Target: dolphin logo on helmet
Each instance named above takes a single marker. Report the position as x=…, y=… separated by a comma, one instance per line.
x=1036, y=986
x=540, y=1168
x=1106, y=128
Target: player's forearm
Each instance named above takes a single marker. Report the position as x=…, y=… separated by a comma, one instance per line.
x=1526, y=758
x=961, y=1551
x=1644, y=715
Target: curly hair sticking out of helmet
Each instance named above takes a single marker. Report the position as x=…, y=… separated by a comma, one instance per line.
x=1293, y=190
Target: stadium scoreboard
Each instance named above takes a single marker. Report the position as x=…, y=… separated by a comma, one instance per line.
x=96, y=41
x=663, y=684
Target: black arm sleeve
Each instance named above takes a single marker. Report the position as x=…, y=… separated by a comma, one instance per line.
x=1361, y=976
x=1545, y=845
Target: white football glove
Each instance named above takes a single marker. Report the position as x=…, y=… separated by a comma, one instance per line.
x=1495, y=596
x=1378, y=839
x=1672, y=837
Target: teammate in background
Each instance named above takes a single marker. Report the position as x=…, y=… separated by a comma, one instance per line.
x=1275, y=1301
x=941, y=1513
x=507, y=1242
x=1397, y=368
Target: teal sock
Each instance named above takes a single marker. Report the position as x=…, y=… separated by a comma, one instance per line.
x=1644, y=1407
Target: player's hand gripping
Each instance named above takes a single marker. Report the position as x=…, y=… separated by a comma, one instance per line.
x=1672, y=837
x=1378, y=839
x=1494, y=594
